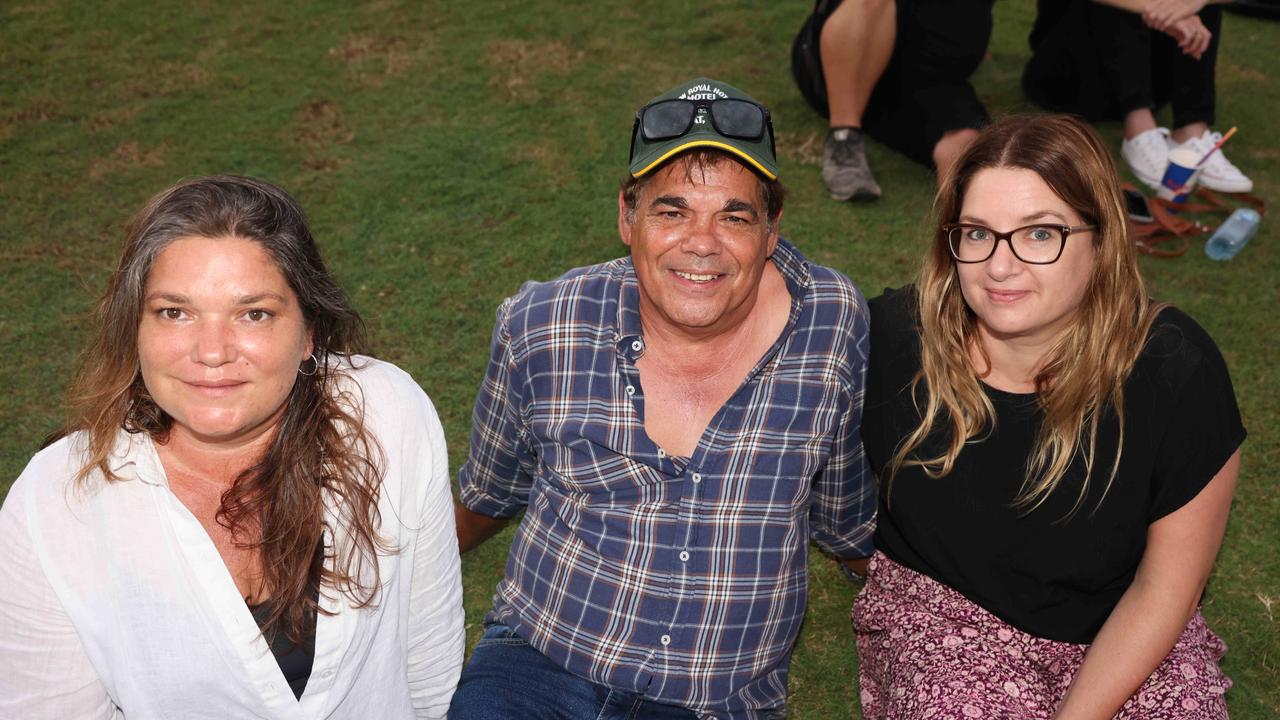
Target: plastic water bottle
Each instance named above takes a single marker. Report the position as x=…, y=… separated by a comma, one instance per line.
x=1232, y=235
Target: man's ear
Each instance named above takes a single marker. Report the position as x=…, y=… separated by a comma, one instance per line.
x=624, y=226
x=771, y=242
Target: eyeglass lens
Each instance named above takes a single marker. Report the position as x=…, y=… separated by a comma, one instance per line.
x=1034, y=244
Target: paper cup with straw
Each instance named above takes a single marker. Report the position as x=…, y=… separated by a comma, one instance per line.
x=1180, y=175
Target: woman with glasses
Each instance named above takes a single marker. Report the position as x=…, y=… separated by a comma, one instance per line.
x=245, y=517
x=1056, y=453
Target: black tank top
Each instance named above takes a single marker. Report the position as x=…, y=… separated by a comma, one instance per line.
x=295, y=660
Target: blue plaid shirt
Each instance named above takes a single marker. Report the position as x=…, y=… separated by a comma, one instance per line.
x=680, y=579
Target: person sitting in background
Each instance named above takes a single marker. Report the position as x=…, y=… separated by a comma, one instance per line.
x=1124, y=59
x=1056, y=454
x=244, y=518
x=898, y=70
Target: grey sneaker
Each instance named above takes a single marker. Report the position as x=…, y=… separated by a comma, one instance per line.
x=844, y=166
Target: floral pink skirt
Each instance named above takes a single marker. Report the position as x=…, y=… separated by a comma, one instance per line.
x=926, y=651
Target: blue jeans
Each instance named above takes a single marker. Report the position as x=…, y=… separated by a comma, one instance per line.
x=506, y=679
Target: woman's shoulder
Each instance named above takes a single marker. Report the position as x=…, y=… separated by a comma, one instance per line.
x=1173, y=329
x=899, y=302
x=51, y=471
x=376, y=379
x=384, y=389
x=895, y=317
x=896, y=309
x=1178, y=348
x=62, y=458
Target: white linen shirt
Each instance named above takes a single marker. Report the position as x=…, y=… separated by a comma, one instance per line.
x=116, y=604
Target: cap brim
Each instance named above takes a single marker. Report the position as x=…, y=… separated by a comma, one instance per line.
x=719, y=145
x=758, y=154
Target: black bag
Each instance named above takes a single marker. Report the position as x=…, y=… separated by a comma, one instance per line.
x=806, y=57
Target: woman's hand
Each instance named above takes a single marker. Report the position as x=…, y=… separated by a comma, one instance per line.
x=1163, y=14
x=1192, y=36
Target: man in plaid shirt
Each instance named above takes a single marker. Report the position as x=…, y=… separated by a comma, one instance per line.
x=676, y=425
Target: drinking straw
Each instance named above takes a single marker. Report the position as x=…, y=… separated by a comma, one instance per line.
x=1222, y=141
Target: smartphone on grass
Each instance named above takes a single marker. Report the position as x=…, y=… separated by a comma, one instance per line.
x=1135, y=203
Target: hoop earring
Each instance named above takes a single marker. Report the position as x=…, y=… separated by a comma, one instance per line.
x=315, y=366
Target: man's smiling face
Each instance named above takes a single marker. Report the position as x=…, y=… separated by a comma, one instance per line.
x=699, y=241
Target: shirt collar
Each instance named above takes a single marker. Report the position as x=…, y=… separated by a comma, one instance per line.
x=133, y=457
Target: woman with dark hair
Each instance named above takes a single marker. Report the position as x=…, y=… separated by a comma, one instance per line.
x=245, y=517
x=1057, y=456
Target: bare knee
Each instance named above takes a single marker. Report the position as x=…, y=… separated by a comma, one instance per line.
x=871, y=6
x=949, y=148
x=855, y=17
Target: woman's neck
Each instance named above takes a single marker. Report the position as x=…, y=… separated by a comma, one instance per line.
x=217, y=463
x=1010, y=364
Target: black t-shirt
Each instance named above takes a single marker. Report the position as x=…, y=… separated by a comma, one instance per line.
x=1047, y=572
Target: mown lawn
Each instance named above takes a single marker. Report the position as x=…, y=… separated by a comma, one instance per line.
x=448, y=150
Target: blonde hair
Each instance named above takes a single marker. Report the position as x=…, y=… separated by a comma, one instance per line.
x=1082, y=375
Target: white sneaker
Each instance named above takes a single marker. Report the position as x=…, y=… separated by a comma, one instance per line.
x=1147, y=154
x=1217, y=173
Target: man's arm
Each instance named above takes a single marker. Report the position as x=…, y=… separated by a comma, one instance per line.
x=843, y=514
x=474, y=528
x=492, y=485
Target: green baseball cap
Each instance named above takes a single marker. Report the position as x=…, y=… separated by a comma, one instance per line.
x=750, y=133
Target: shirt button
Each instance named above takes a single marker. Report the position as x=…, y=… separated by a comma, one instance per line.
x=697, y=477
x=684, y=556
x=327, y=674
x=637, y=345
x=631, y=390
x=665, y=640
x=662, y=453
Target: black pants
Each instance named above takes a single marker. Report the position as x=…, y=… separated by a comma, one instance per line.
x=1102, y=63
x=925, y=90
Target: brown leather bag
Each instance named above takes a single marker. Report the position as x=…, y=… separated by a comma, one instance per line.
x=1173, y=224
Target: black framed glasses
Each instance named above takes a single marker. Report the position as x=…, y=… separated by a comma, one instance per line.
x=1038, y=244
x=667, y=119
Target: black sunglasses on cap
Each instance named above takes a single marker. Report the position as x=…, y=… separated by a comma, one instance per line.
x=667, y=119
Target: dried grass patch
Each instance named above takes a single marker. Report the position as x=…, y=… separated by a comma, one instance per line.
x=801, y=147
x=373, y=58
x=128, y=155
x=519, y=63
x=316, y=128
x=40, y=111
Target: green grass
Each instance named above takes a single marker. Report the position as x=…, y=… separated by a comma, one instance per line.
x=447, y=151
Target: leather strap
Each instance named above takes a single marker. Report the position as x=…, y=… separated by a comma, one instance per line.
x=1170, y=231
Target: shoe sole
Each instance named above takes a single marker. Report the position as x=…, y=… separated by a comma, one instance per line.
x=1151, y=182
x=1226, y=187
x=859, y=196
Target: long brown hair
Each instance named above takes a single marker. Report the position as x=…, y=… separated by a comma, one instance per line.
x=321, y=447
x=1083, y=373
